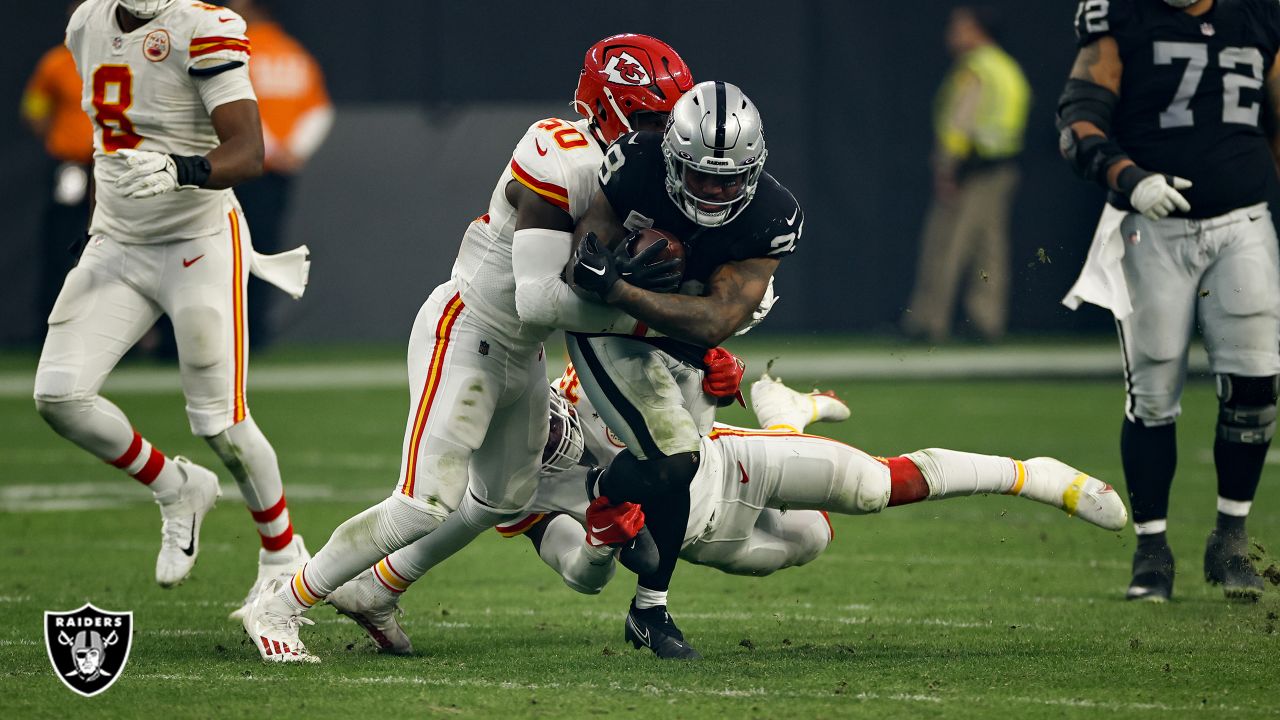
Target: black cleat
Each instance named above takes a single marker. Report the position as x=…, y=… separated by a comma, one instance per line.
x=640, y=555
x=653, y=628
x=1152, y=574
x=1227, y=563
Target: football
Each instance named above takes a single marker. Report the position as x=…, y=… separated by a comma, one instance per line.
x=649, y=236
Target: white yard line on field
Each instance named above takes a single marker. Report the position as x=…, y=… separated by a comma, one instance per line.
x=58, y=497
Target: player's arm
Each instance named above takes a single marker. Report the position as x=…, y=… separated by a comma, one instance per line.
x=734, y=291
x=601, y=220
x=1273, y=94
x=1085, y=111
x=239, y=154
x=540, y=250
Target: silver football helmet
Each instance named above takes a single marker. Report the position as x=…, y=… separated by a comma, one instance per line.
x=564, y=438
x=714, y=148
x=145, y=9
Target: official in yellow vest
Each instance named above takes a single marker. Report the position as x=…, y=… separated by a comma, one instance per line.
x=980, y=114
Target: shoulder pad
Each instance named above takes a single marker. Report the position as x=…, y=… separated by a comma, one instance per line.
x=1098, y=18
x=556, y=160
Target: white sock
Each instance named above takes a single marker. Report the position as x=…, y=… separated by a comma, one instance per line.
x=646, y=598
x=252, y=461
x=408, y=564
x=357, y=544
x=951, y=473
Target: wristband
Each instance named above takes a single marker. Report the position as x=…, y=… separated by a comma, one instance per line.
x=193, y=170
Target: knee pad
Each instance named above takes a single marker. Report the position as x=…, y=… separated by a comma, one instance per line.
x=1247, y=408
x=199, y=332
x=813, y=539
x=62, y=413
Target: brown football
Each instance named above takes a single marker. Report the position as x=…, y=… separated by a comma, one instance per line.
x=649, y=236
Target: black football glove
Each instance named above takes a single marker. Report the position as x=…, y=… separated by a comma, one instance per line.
x=597, y=269
x=644, y=271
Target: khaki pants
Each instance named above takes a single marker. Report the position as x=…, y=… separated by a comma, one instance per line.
x=965, y=237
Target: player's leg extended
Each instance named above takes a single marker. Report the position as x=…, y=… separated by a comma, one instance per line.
x=1154, y=342
x=203, y=292
x=777, y=540
x=99, y=315
x=635, y=393
x=1240, y=314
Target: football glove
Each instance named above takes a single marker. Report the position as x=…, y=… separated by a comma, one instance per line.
x=724, y=373
x=1156, y=195
x=149, y=174
x=597, y=269
x=612, y=524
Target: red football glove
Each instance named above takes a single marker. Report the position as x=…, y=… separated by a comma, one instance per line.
x=724, y=373
x=612, y=524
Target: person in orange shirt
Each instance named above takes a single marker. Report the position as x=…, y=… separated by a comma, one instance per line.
x=296, y=118
x=51, y=109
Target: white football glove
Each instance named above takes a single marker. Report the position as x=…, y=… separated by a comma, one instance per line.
x=149, y=174
x=1157, y=195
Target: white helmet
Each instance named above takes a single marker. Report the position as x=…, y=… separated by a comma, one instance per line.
x=564, y=438
x=145, y=9
x=714, y=130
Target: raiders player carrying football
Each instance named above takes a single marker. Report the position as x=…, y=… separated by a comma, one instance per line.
x=1164, y=108
x=704, y=181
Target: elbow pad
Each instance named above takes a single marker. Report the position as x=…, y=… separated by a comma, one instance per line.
x=1092, y=155
x=1084, y=101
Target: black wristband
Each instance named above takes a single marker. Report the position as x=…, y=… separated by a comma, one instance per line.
x=193, y=170
x=1129, y=178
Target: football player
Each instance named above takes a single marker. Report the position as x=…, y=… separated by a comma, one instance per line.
x=477, y=423
x=702, y=179
x=1165, y=109
x=175, y=127
x=736, y=521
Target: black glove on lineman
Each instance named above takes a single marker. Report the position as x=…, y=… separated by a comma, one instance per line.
x=597, y=269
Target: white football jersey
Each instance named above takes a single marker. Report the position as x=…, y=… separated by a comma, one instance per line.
x=140, y=94
x=556, y=159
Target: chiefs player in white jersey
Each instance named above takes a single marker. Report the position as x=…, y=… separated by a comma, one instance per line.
x=736, y=521
x=175, y=126
x=477, y=377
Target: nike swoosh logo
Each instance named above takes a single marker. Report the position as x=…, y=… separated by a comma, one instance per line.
x=744, y=472
x=538, y=146
x=644, y=636
x=192, y=261
x=597, y=271
x=792, y=220
x=190, y=549
x=225, y=20
x=597, y=530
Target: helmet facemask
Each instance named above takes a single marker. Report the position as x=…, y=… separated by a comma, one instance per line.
x=145, y=9
x=565, y=444
x=714, y=136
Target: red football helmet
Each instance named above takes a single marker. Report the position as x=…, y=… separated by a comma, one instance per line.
x=625, y=74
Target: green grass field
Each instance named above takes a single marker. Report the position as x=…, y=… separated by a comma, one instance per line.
x=977, y=607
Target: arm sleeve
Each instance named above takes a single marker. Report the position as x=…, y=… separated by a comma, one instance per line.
x=538, y=257
x=227, y=86
x=584, y=568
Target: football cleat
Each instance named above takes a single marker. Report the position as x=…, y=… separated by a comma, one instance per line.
x=374, y=608
x=1227, y=563
x=272, y=627
x=1152, y=574
x=1079, y=494
x=180, y=531
x=653, y=628
x=280, y=565
x=779, y=407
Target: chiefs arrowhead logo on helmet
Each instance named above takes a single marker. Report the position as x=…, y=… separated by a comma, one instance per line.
x=623, y=68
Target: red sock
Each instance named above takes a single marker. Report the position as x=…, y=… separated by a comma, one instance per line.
x=906, y=484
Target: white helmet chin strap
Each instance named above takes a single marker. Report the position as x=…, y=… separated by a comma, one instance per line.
x=145, y=9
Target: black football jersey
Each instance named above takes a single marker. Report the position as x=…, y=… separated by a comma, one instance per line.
x=1192, y=101
x=633, y=179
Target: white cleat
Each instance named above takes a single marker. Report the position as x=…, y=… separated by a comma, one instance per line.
x=1079, y=494
x=779, y=407
x=375, y=609
x=272, y=627
x=180, y=533
x=280, y=565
